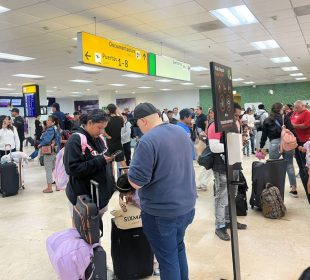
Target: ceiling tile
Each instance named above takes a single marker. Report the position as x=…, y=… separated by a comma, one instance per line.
x=215, y=4
x=132, y=6
x=43, y=9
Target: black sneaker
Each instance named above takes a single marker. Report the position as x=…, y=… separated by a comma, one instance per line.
x=294, y=194
x=222, y=234
x=239, y=226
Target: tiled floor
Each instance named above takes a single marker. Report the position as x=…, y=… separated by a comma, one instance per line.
x=269, y=249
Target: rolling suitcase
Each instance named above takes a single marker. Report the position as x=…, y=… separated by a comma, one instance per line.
x=131, y=252
x=9, y=178
x=97, y=269
x=273, y=172
x=86, y=216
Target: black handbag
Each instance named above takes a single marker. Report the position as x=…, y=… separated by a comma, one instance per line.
x=206, y=159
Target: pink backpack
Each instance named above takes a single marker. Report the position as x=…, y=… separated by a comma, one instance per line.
x=60, y=176
x=288, y=140
x=69, y=254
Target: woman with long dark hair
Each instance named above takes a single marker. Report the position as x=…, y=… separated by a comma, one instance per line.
x=272, y=127
x=8, y=136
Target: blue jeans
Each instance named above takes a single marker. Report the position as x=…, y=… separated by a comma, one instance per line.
x=166, y=236
x=288, y=156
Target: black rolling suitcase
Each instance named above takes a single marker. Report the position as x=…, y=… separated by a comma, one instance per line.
x=273, y=171
x=131, y=252
x=9, y=178
x=97, y=269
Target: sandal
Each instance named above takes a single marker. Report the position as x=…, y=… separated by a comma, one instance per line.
x=47, y=191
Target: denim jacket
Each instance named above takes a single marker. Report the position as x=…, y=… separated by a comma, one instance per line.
x=49, y=135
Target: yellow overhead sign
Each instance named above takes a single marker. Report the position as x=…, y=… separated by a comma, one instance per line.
x=30, y=89
x=107, y=53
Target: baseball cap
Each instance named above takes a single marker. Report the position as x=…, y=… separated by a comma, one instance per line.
x=16, y=110
x=185, y=113
x=143, y=110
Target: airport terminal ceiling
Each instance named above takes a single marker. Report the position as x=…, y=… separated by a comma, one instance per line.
x=273, y=48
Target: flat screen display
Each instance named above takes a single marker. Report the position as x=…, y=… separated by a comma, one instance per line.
x=17, y=102
x=5, y=102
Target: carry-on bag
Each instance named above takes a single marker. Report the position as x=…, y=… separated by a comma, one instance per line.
x=9, y=177
x=97, y=269
x=273, y=172
x=69, y=254
x=131, y=252
x=86, y=215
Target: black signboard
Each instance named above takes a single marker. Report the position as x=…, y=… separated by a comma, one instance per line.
x=223, y=104
x=31, y=100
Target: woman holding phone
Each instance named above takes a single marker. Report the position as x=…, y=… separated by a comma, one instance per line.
x=93, y=164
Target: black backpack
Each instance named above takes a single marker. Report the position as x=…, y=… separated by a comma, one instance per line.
x=241, y=198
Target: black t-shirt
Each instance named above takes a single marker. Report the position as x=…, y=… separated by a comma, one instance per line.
x=113, y=129
x=19, y=124
x=39, y=129
x=200, y=121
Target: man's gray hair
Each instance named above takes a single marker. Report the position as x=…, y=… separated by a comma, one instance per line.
x=299, y=102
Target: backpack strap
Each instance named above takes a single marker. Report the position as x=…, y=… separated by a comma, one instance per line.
x=84, y=143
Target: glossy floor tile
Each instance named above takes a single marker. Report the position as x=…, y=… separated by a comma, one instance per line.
x=269, y=249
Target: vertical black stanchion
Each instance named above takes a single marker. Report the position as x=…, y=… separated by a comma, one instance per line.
x=233, y=214
x=223, y=105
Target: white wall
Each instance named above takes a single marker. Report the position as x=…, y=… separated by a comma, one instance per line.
x=161, y=100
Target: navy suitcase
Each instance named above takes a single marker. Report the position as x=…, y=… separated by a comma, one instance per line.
x=97, y=269
x=131, y=252
x=273, y=171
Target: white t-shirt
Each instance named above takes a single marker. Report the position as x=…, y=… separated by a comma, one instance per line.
x=9, y=137
x=165, y=118
x=249, y=119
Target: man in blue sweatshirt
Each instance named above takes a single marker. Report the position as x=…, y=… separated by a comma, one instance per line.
x=167, y=191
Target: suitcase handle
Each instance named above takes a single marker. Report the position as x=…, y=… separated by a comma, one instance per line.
x=94, y=187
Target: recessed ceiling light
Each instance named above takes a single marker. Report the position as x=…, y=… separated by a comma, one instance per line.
x=165, y=89
x=164, y=80
x=264, y=45
x=49, y=91
x=4, y=9
x=280, y=59
x=199, y=68
x=76, y=92
x=299, y=79
x=204, y=86
x=237, y=80
x=86, y=68
x=118, y=85
x=133, y=76
x=248, y=83
x=234, y=16
x=186, y=84
x=133, y=92
x=291, y=68
x=7, y=89
x=80, y=81
x=9, y=84
x=144, y=87
x=88, y=89
x=28, y=76
x=54, y=87
x=15, y=57
x=296, y=74
x=75, y=38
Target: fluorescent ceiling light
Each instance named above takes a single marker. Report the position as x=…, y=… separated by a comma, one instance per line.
x=15, y=57
x=234, y=16
x=264, y=45
x=186, y=84
x=248, y=83
x=291, y=68
x=164, y=80
x=296, y=74
x=199, y=68
x=204, y=86
x=88, y=89
x=4, y=88
x=133, y=76
x=118, y=85
x=144, y=87
x=299, y=79
x=80, y=81
x=237, y=80
x=4, y=9
x=49, y=91
x=86, y=68
x=280, y=59
x=165, y=89
x=28, y=76
x=76, y=92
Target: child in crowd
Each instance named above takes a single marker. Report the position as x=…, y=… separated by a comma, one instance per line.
x=306, y=149
x=129, y=216
x=246, y=139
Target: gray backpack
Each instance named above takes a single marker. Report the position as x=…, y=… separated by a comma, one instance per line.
x=272, y=202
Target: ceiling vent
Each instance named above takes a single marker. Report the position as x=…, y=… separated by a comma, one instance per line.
x=271, y=68
x=302, y=11
x=208, y=26
x=250, y=53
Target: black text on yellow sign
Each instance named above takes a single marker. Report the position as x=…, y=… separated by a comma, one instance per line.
x=107, y=53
